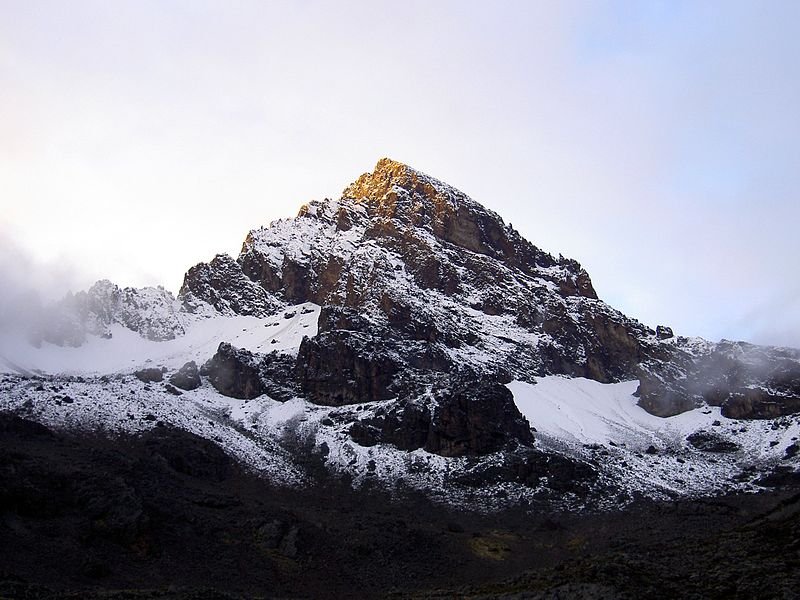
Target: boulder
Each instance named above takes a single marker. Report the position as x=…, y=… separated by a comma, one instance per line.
x=711, y=442
x=187, y=377
x=149, y=375
x=234, y=372
x=664, y=333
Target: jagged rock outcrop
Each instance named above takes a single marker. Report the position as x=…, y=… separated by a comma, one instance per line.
x=464, y=416
x=756, y=403
x=222, y=286
x=278, y=376
x=187, y=377
x=339, y=367
x=747, y=381
x=351, y=366
x=151, y=312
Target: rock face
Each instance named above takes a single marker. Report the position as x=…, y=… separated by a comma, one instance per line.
x=223, y=286
x=151, y=312
x=341, y=367
x=234, y=372
x=425, y=264
x=747, y=381
x=475, y=417
x=187, y=377
x=468, y=416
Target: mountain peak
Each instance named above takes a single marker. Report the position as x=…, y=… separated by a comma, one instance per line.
x=390, y=175
x=397, y=192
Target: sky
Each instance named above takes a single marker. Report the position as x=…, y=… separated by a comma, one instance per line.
x=658, y=143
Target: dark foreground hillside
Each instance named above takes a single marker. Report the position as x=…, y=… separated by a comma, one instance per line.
x=169, y=515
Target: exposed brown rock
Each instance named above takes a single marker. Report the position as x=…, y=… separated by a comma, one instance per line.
x=758, y=404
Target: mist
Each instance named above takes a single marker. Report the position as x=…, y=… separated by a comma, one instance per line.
x=27, y=284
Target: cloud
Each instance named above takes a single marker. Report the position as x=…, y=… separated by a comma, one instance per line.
x=28, y=284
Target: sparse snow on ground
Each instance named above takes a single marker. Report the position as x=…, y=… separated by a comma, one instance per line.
x=91, y=387
x=602, y=422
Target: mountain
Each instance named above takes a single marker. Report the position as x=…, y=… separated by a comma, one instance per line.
x=403, y=256
x=407, y=351
x=407, y=318
x=441, y=284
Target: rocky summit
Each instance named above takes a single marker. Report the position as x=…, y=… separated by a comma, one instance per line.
x=398, y=346
x=413, y=276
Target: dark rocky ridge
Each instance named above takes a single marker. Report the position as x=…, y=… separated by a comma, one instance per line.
x=747, y=381
x=468, y=416
x=222, y=285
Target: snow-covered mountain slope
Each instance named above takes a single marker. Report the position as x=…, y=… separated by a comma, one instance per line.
x=696, y=451
x=406, y=336
x=124, y=351
x=404, y=252
x=594, y=448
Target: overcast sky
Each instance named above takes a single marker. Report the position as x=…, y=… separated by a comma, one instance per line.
x=658, y=143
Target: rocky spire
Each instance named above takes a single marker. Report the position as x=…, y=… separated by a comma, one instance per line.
x=390, y=175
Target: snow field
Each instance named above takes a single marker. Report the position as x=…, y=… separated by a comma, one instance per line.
x=127, y=351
